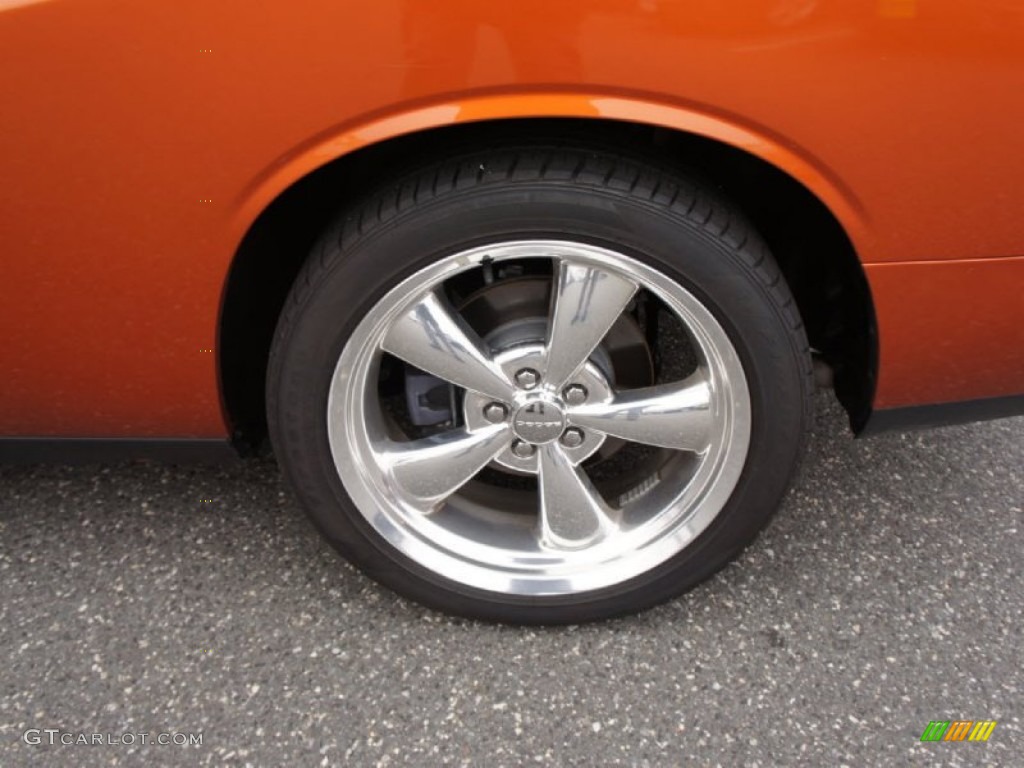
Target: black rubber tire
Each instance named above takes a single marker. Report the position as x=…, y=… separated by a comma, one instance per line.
x=659, y=217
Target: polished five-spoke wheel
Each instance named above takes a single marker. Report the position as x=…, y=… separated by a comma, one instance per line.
x=537, y=403
x=540, y=397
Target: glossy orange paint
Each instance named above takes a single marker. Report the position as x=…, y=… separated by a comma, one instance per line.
x=138, y=142
x=964, y=321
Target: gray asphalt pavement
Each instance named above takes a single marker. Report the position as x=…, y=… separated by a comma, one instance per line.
x=888, y=592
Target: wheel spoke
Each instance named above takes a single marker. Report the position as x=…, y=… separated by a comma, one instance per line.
x=572, y=512
x=676, y=415
x=430, y=469
x=587, y=301
x=433, y=338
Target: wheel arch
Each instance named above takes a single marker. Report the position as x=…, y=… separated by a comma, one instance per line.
x=809, y=218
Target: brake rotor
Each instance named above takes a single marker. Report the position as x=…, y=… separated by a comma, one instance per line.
x=514, y=311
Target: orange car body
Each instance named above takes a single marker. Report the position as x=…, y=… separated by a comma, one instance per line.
x=141, y=141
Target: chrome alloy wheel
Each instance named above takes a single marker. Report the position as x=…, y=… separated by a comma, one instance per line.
x=538, y=409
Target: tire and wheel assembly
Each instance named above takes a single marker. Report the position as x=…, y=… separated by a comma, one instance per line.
x=540, y=385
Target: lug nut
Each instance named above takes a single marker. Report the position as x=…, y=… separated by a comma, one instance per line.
x=575, y=394
x=527, y=378
x=523, y=449
x=495, y=412
x=572, y=437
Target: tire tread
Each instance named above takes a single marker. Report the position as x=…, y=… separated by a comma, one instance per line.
x=592, y=171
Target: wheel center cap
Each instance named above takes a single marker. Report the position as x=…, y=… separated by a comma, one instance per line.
x=538, y=420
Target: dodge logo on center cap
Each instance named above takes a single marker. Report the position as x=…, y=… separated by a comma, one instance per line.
x=539, y=422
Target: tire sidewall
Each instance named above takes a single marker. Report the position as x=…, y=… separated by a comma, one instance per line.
x=359, y=271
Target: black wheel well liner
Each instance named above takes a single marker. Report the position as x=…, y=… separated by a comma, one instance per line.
x=815, y=254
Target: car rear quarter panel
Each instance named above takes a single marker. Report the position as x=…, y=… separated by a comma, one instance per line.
x=140, y=141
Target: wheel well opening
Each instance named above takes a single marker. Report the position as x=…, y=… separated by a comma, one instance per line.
x=814, y=253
